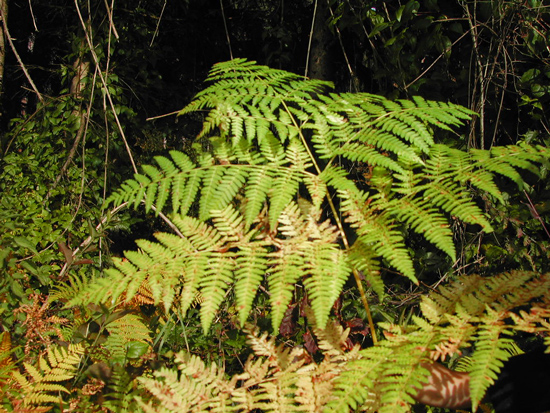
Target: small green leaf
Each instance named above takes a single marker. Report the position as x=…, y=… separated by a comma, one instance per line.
x=136, y=349
x=25, y=243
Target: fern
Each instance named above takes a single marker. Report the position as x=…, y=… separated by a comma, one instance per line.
x=382, y=378
x=474, y=310
x=274, y=379
x=489, y=309
x=41, y=384
x=6, y=362
x=123, y=333
x=273, y=142
x=124, y=392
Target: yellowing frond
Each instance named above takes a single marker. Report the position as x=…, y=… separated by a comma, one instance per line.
x=42, y=384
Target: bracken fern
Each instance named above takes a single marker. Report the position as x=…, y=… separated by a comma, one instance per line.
x=269, y=198
x=381, y=378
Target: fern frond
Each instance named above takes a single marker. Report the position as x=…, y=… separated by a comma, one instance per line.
x=124, y=331
x=328, y=271
x=211, y=180
x=123, y=392
x=70, y=289
x=461, y=166
x=489, y=357
x=216, y=280
x=387, y=241
x=473, y=310
x=358, y=151
x=287, y=269
x=195, y=389
x=506, y=160
x=42, y=383
x=6, y=361
x=425, y=220
x=451, y=198
x=366, y=261
x=268, y=130
x=251, y=268
x=284, y=188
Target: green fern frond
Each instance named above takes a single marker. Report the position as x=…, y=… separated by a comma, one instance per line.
x=328, y=271
x=284, y=188
x=122, y=333
x=507, y=159
x=240, y=88
x=356, y=385
x=123, y=392
x=211, y=180
x=70, y=289
x=453, y=199
x=288, y=263
x=274, y=142
x=364, y=259
x=491, y=352
x=259, y=183
x=100, y=289
x=375, y=119
x=251, y=269
x=155, y=185
x=42, y=383
x=463, y=166
x=357, y=151
x=425, y=220
x=388, y=242
x=214, y=284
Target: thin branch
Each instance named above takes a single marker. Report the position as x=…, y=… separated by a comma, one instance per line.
x=21, y=64
x=226, y=30
x=163, y=116
x=421, y=75
x=310, y=38
x=110, y=14
x=352, y=74
x=105, y=87
x=33, y=18
x=158, y=24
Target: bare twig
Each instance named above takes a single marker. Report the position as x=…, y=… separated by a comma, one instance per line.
x=105, y=87
x=21, y=64
x=158, y=24
x=226, y=30
x=310, y=38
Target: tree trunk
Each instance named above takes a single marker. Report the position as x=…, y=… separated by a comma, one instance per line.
x=321, y=61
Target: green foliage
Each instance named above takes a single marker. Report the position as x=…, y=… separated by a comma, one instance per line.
x=275, y=139
x=42, y=205
x=264, y=210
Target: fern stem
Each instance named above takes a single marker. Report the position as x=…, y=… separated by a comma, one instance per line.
x=340, y=228
x=365, y=304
